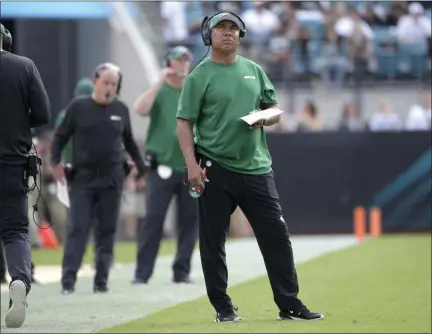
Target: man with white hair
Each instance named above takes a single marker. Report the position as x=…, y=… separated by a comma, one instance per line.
x=414, y=27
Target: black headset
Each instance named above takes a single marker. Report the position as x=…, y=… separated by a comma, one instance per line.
x=7, y=41
x=105, y=66
x=167, y=59
x=206, y=31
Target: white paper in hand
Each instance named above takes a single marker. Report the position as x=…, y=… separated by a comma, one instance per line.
x=63, y=193
x=259, y=115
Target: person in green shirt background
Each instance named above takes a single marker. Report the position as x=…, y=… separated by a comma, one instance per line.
x=166, y=172
x=83, y=87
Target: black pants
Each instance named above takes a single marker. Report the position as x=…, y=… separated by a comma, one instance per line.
x=96, y=201
x=14, y=222
x=257, y=197
x=3, y=265
x=159, y=193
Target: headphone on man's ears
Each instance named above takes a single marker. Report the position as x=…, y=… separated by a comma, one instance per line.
x=167, y=59
x=7, y=41
x=206, y=31
x=105, y=66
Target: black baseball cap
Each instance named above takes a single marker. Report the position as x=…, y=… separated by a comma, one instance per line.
x=225, y=17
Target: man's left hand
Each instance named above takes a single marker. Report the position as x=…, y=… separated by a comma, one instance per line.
x=258, y=124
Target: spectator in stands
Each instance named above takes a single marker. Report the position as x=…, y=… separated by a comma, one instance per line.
x=195, y=11
x=332, y=64
x=358, y=36
x=302, y=38
x=414, y=27
x=331, y=15
x=394, y=11
x=260, y=23
x=419, y=116
x=228, y=6
x=175, y=26
x=299, y=36
x=278, y=52
x=385, y=119
x=350, y=119
x=374, y=14
x=308, y=120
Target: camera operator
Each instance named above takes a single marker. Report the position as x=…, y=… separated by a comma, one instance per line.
x=24, y=105
x=100, y=128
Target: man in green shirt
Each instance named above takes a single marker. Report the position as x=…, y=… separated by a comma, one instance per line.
x=83, y=87
x=232, y=160
x=166, y=172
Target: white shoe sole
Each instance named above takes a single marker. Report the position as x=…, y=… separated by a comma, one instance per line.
x=16, y=315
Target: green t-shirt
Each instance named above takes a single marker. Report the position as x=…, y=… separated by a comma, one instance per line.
x=67, y=150
x=162, y=133
x=215, y=96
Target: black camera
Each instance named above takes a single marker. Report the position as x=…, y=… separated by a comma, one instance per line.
x=33, y=163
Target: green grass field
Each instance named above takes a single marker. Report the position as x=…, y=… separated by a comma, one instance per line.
x=125, y=252
x=382, y=286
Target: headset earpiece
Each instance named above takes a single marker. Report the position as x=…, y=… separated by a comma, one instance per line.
x=167, y=60
x=205, y=31
x=7, y=41
x=119, y=83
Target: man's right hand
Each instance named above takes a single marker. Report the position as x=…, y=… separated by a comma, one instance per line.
x=166, y=72
x=58, y=173
x=196, y=175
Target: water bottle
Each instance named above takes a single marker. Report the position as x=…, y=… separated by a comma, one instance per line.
x=196, y=192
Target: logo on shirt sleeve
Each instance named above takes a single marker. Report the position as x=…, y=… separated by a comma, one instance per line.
x=179, y=107
x=250, y=77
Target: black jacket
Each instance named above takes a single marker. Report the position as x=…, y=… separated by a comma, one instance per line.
x=24, y=104
x=100, y=133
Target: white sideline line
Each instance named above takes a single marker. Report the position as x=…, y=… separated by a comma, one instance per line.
x=86, y=312
x=52, y=274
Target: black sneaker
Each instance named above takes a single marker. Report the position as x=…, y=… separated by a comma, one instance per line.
x=301, y=314
x=229, y=316
x=182, y=280
x=100, y=289
x=67, y=291
x=138, y=281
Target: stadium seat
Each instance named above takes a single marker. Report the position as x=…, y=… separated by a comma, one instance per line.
x=387, y=65
x=315, y=28
x=383, y=35
x=314, y=52
x=412, y=59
